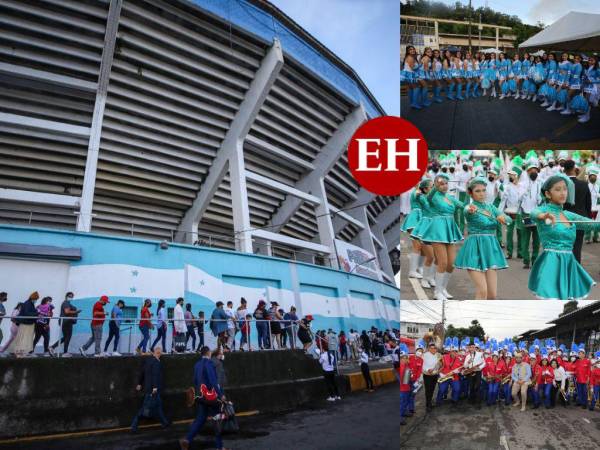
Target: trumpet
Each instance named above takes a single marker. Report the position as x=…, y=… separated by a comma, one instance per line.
x=506, y=379
x=564, y=395
x=469, y=372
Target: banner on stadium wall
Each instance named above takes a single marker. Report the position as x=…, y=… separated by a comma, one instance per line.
x=354, y=259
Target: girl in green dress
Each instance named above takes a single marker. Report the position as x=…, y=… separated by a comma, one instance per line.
x=442, y=231
x=481, y=254
x=410, y=223
x=556, y=273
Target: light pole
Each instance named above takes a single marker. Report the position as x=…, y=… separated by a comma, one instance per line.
x=470, y=50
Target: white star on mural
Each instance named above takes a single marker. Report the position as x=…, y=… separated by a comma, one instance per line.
x=201, y=282
x=135, y=273
x=133, y=290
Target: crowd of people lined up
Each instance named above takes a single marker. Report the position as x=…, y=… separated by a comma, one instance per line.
x=499, y=374
x=232, y=328
x=563, y=82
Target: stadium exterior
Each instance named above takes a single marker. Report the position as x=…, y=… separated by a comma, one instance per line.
x=160, y=149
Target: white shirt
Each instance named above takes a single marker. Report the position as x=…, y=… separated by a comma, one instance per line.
x=491, y=191
x=560, y=376
x=531, y=195
x=240, y=314
x=595, y=193
x=364, y=358
x=474, y=360
x=453, y=185
x=353, y=337
x=325, y=364
x=510, y=198
x=463, y=177
x=231, y=321
x=179, y=319
x=431, y=362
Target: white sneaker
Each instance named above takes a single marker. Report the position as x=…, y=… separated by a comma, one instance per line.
x=46, y=355
x=338, y=398
x=585, y=118
x=425, y=284
x=98, y=355
x=545, y=104
x=534, y=99
x=447, y=294
x=516, y=95
x=66, y=355
x=566, y=112
x=82, y=351
x=116, y=354
x=330, y=399
x=559, y=108
x=439, y=296
x=523, y=97
x=415, y=275
x=501, y=96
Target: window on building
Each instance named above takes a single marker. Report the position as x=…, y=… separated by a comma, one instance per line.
x=130, y=314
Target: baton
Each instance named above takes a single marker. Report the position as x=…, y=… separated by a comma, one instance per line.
x=549, y=222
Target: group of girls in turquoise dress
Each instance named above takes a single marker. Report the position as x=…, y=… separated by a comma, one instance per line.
x=561, y=82
x=431, y=225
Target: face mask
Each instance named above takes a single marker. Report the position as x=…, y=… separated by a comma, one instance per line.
x=451, y=169
x=551, y=165
x=511, y=179
x=69, y=298
x=221, y=357
x=419, y=353
x=491, y=179
x=465, y=167
x=444, y=170
x=533, y=176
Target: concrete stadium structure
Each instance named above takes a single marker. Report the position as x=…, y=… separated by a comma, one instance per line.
x=206, y=123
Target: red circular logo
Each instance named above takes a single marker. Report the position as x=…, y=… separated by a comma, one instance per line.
x=387, y=155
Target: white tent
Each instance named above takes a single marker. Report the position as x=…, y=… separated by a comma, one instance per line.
x=575, y=32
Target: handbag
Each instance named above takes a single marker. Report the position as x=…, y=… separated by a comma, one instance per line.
x=179, y=340
x=230, y=423
x=149, y=405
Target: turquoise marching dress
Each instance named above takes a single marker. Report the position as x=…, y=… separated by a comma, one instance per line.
x=414, y=217
x=556, y=274
x=442, y=227
x=481, y=250
x=426, y=214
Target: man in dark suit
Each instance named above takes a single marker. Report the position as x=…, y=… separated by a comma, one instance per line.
x=151, y=381
x=582, y=206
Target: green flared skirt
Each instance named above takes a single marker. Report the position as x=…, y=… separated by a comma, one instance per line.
x=412, y=220
x=556, y=274
x=416, y=232
x=442, y=229
x=480, y=252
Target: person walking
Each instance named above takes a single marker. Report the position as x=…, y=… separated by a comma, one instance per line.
x=275, y=325
x=218, y=324
x=240, y=316
x=245, y=329
x=161, y=325
x=204, y=374
x=366, y=371
x=217, y=358
x=305, y=333
x=151, y=381
x=353, y=338
x=290, y=319
x=14, y=327
x=96, y=325
x=114, y=327
x=190, y=320
x=200, y=327
x=68, y=318
x=42, y=325
x=327, y=361
x=179, y=327
x=262, y=327
x=3, y=298
x=26, y=320
x=231, y=326
x=145, y=326
x=343, y=346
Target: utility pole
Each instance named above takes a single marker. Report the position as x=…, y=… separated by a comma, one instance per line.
x=470, y=26
x=444, y=313
x=480, y=28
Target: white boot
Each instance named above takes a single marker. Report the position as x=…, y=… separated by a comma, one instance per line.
x=585, y=117
x=494, y=92
x=446, y=279
x=425, y=284
x=534, y=99
x=567, y=111
x=545, y=104
x=516, y=94
x=559, y=107
x=413, y=261
x=421, y=260
x=501, y=96
x=484, y=92
x=438, y=293
x=552, y=107
x=431, y=275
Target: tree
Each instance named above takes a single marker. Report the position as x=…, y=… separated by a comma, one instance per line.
x=474, y=331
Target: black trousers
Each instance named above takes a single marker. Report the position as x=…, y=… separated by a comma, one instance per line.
x=364, y=368
x=67, y=331
x=578, y=244
x=113, y=333
x=474, y=385
x=429, y=382
x=330, y=382
x=41, y=331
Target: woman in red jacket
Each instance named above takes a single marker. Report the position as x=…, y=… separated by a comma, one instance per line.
x=493, y=371
x=595, y=380
x=145, y=326
x=545, y=378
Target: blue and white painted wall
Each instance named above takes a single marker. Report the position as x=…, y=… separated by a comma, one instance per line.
x=134, y=269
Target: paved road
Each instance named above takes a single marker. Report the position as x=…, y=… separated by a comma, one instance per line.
x=500, y=427
x=359, y=421
x=482, y=124
x=512, y=282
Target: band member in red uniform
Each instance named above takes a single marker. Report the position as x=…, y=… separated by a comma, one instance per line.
x=493, y=372
x=507, y=365
x=569, y=366
x=583, y=368
x=595, y=380
x=405, y=384
x=536, y=371
x=415, y=363
x=451, y=364
x=545, y=378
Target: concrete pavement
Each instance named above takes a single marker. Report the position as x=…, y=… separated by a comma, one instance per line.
x=500, y=427
x=512, y=282
x=484, y=124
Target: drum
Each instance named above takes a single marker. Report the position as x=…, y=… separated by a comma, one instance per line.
x=527, y=221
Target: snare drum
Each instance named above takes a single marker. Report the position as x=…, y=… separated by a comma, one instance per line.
x=527, y=221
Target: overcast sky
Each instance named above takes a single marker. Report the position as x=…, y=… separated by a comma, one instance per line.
x=499, y=318
x=532, y=11
x=363, y=33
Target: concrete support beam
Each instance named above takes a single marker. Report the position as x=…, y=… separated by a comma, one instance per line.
x=383, y=254
x=388, y=216
x=281, y=187
x=324, y=225
x=84, y=220
x=347, y=217
x=325, y=160
x=231, y=149
x=364, y=237
x=28, y=73
x=32, y=123
x=290, y=241
x=362, y=197
x=239, y=199
x=40, y=198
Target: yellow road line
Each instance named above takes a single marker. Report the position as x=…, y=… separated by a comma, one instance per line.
x=47, y=437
